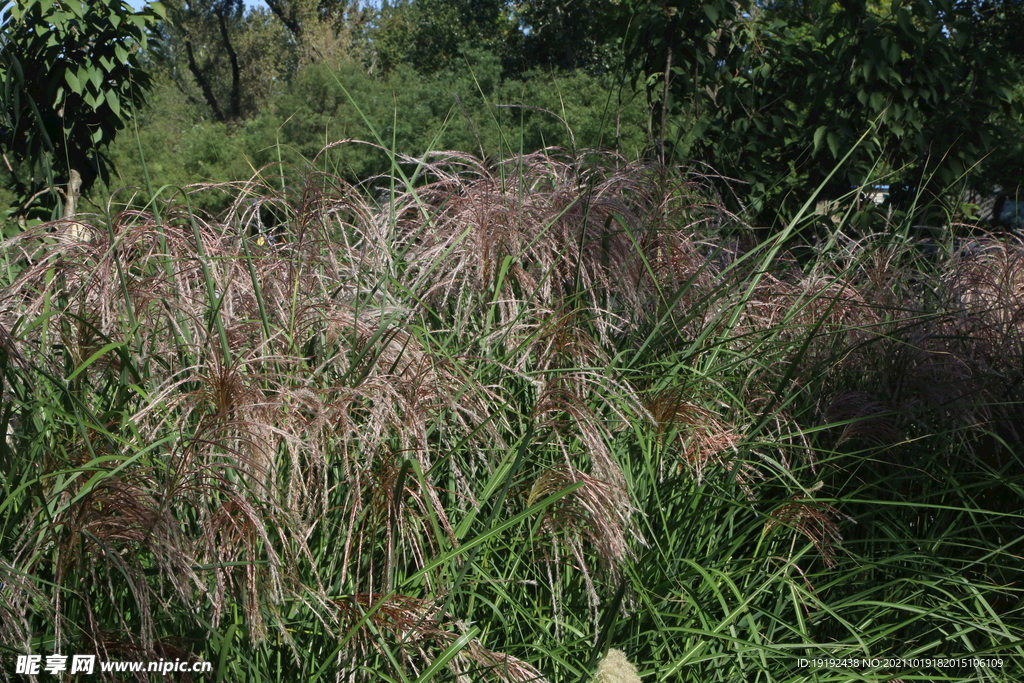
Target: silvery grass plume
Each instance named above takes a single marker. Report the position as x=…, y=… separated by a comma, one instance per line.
x=615, y=668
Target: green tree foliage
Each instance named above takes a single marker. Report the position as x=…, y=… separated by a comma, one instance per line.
x=471, y=109
x=326, y=30
x=1004, y=165
x=176, y=144
x=779, y=94
x=571, y=35
x=71, y=81
x=393, y=31
x=433, y=36
x=231, y=59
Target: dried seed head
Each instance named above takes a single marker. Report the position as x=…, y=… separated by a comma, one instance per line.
x=814, y=519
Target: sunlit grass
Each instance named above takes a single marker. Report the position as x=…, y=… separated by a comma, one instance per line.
x=496, y=424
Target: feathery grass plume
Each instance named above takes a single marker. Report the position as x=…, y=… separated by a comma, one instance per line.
x=814, y=519
x=615, y=668
x=596, y=512
x=702, y=438
x=985, y=281
x=451, y=433
x=545, y=233
x=476, y=661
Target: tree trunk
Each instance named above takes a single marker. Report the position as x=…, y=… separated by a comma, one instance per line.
x=236, y=71
x=288, y=17
x=204, y=84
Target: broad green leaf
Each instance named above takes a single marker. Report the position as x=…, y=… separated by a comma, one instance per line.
x=84, y=76
x=818, y=135
x=833, y=144
x=114, y=102
x=894, y=52
x=72, y=80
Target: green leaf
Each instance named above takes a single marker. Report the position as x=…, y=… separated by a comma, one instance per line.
x=833, y=144
x=818, y=135
x=93, y=358
x=72, y=80
x=114, y=102
x=895, y=53
x=59, y=20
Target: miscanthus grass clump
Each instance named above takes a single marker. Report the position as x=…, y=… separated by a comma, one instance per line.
x=484, y=425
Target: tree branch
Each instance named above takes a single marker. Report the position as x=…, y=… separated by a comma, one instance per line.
x=204, y=85
x=236, y=72
x=287, y=18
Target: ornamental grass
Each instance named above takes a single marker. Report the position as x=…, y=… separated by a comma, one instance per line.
x=481, y=420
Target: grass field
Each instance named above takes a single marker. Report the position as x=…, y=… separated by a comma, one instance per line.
x=499, y=417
